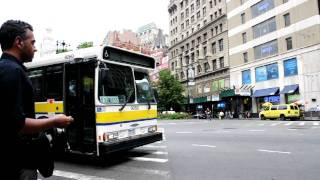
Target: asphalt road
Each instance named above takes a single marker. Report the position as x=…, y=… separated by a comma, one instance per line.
x=215, y=150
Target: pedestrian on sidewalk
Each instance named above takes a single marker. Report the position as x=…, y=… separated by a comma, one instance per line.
x=221, y=114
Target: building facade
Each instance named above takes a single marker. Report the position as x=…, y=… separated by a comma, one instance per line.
x=274, y=50
x=198, y=52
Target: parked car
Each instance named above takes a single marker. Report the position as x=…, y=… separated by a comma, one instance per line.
x=282, y=112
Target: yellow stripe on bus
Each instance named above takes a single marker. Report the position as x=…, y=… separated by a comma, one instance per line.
x=115, y=117
x=44, y=107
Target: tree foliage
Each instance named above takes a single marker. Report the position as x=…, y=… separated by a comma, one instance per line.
x=169, y=92
x=85, y=45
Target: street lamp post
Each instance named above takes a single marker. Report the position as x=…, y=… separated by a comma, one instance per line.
x=190, y=82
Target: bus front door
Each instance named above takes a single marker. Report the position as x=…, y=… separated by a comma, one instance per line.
x=79, y=103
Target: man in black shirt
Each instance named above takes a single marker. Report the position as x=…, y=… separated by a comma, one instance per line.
x=16, y=99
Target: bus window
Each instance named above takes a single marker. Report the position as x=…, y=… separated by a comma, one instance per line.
x=116, y=85
x=36, y=77
x=54, y=82
x=144, y=91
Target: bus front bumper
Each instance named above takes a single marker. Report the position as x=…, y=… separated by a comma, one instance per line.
x=129, y=143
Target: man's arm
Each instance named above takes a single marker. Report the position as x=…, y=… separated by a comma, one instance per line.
x=37, y=125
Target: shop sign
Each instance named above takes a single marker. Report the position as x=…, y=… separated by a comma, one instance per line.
x=215, y=97
x=272, y=99
x=293, y=98
x=243, y=92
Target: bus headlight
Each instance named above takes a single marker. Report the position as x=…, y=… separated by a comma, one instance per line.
x=152, y=129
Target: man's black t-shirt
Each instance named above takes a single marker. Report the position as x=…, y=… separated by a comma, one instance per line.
x=16, y=103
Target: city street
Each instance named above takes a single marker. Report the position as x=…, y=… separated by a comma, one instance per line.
x=218, y=149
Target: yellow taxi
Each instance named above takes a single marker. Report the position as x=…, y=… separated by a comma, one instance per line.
x=282, y=112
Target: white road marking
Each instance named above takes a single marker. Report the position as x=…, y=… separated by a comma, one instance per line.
x=149, y=159
x=160, y=152
x=203, y=145
x=288, y=124
x=261, y=124
x=316, y=123
x=138, y=170
x=184, y=132
x=152, y=146
x=274, y=124
x=78, y=176
x=172, y=123
x=301, y=124
x=292, y=129
x=272, y=151
x=256, y=130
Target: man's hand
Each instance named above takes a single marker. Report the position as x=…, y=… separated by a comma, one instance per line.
x=62, y=121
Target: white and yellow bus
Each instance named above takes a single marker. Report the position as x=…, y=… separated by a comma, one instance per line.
x=108, y=93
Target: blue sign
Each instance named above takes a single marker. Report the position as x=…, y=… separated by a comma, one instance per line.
x=272, y=99
x=261, y=73
x=272, y=70
x=246, y=77
x=221, y=105
x=290, y=67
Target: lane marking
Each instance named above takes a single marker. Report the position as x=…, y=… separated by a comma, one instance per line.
x=274, y=124
x=301, y=124
x=292, y=129
x=316, y=123
x=184, y=132
x=149, y=159
x=272, y=151
x=288, y=124
x=160, y=152
x=203, y=145
x=256, y=130
x=152, y=146
x=78, y=176
x=261, y=124
x=138, y=170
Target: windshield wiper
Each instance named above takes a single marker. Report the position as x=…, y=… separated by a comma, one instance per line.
x=129, y=97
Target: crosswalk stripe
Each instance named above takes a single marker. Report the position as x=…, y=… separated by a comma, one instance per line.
x=274, y=124
x=301, y=124
x=78, y=176
x=288, y=124
x=152, y=146
x=149, y=159
x=160, y=152
x=316, y=123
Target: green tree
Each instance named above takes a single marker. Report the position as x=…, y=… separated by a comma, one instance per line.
x=85, y=45
x=169, y=92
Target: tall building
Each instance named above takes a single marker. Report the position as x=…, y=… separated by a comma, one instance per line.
x=274, y=50
x=152, y=37
x=126, y=39
x=198, y=52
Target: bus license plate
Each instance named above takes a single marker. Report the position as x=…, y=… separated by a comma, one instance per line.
x=132, y=132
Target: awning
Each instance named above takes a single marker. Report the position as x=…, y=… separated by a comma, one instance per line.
x=227, y=93
x=265, y=92
x=290, y=89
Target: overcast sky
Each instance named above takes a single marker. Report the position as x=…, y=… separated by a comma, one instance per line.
x=76, y=21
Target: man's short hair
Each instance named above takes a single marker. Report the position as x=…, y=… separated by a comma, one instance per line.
x=10, y=30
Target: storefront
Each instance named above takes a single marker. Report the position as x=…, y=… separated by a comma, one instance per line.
x=266, y=95
x=291, y=93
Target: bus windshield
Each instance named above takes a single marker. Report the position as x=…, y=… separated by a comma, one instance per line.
x=144, y=91
x=116, y=85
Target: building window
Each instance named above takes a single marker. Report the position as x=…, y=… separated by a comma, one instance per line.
x=192, y=8
x=268, y=72
x=214, y=64
x=198, y=15
x=266, y=49
x=206, y=67
x=172, y=66
x=216, y=14
x=199, y=69
x=216, y=28
x=221, y=44
x=246, y=77
x=221, y=61
x=220, y=25
x=214, y=48
x=243, y=18
x=192, y=19
x=289, y=43
x=245, y=57
x=187, y=12
x=264, y=27
x=215, y=2
x=244, y=37
x=261, y=7
x=204, y=11
x=290, y=67
x=286, y=20
x=198, y=3
x=211, y=17
x=205, y=35
x=220, y=12
x=211, y=5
